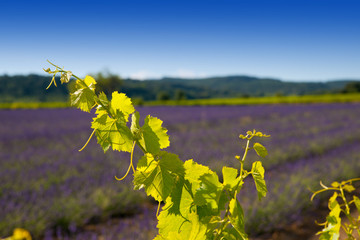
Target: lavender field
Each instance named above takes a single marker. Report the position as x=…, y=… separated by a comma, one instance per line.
x=50, y=188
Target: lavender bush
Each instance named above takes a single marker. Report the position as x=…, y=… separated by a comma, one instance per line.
x=48, y=187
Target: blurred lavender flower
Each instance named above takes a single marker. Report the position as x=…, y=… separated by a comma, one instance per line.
x=51, y=189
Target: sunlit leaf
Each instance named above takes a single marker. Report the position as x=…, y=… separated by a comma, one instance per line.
x=258, y=172
x=357, y=203
x=333, y=224
x=198, y=229
x=83, y=97
x=349, y=188
x=231, y=234
x=112, y=133
x=65, y=77
x=90, y=82
x=20, y=234
x=193, y=171
x=103, y=102
x=209, y=191
x=333, y=221
x=158, y=175
x=153, y=136
x=176, y=210
x=332, y=201
x=121, y=103
x=135, y=126
x=237, y=217
x=260, y=149
x=230, y=176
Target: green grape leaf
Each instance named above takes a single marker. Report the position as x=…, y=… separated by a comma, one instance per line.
x=237, y=217
x=230, y=176
x=158, y=174
x=180, y=199
x=90, y=82
x=193, y=171
x=357, y=203
x=204, y=184
x=260, y=150
x=209, y=191
x=153, y=136
x=335, y=184
x=84, y=95
x=65, y=77
x=191, y=228
x=349, y=188
x=168, y=223
x=159, y=237
x=104, y=102
x=121, y=103
x=175, y=212
x=175, y=236
x=333, y=224
x=231, y=234
x=332, y=201
x=223, y=200
x=112, y=133
x=135, y=126
x=178, y=227
x=258, y=172
x=83, y=99
x=198, y=230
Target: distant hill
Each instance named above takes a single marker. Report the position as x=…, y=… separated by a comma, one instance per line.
x=32, y=88
x=227, y=87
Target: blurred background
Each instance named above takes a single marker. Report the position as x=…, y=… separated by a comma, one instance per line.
x=211, y=70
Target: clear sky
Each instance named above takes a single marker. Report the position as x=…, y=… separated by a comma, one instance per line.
x=296, y=40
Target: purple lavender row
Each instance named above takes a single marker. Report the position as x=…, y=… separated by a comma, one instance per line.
x=46, y=185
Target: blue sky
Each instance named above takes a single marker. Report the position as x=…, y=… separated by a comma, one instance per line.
x=296, y=40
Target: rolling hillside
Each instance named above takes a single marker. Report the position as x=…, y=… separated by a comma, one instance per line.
x=32, y=88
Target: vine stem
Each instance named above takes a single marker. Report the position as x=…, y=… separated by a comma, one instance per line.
x=322, y=190
x=141, y=147
x=87, y=142
x=243, y=158
x=158, y=209
x=246, y=150
x=345, y=202
x=347, y=212
x=131, y=166
x=242, y=165
x=225, y=223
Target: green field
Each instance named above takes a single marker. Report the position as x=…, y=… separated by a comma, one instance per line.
x=328, y=98
x=33, y=105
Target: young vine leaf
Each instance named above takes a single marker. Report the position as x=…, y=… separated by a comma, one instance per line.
x=333, y=220
x=158, y=174
x=112, y=132
x=84, y=95
x=258, y=172
x=260, y=150
x=231, y=179
x=209, y=191
x=237, y=217
x=152, y=136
